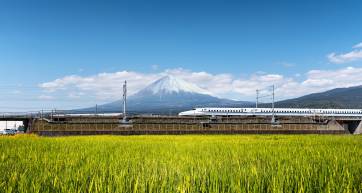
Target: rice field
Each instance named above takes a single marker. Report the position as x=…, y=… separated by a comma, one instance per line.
x=188, y=163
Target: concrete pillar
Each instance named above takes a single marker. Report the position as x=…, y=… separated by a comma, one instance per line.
x=359, y=129
x=334, y=125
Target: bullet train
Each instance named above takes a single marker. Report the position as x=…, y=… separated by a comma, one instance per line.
x=269, y=112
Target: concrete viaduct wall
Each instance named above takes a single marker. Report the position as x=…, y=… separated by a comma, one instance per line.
x=174, y=125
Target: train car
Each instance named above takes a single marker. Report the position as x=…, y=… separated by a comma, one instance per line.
x=270, y=111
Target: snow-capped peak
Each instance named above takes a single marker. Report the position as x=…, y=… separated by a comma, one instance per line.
x=170, y=84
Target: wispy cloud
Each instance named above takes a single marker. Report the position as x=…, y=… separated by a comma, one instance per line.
x=358, y=45
x=287, y=64
x=351, y=56
x=107, y=86
x=155, y=66
x=45, y=97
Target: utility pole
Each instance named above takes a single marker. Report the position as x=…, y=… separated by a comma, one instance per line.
x=124, y=101
x=96, y=109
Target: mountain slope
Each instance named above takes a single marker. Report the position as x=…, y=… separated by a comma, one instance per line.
x=169, y=84
x=336, y=98
x=169, y=95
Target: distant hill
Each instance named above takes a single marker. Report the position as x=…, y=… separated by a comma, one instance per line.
x=169, y=95
x=336, y=98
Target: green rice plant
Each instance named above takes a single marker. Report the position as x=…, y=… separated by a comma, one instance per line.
x=185, y=163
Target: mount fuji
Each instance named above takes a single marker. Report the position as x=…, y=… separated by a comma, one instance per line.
x=169, y=95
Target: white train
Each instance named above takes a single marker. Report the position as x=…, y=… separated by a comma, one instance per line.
x=269, y=112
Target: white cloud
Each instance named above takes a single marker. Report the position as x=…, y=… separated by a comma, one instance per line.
x=328, y=79
x=102, y=86
x=351, y=56
x=108, y=86
x=358, y=45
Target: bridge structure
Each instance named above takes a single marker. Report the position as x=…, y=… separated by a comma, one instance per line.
x=27, y=118
x=58, y=124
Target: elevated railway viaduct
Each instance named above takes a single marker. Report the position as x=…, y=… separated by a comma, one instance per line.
x=93, y=124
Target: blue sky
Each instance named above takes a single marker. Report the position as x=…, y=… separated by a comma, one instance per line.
x=45, y=40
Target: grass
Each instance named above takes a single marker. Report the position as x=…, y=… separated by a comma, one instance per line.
x=190, y=163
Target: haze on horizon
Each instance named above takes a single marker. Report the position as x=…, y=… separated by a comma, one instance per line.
x=71, y=54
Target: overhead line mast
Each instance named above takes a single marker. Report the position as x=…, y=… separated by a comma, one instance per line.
x=257, y=98
x=268, y=95
x=273, y=116
x=124, y=101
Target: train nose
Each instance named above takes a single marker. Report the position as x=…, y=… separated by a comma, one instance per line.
x=185, y=113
